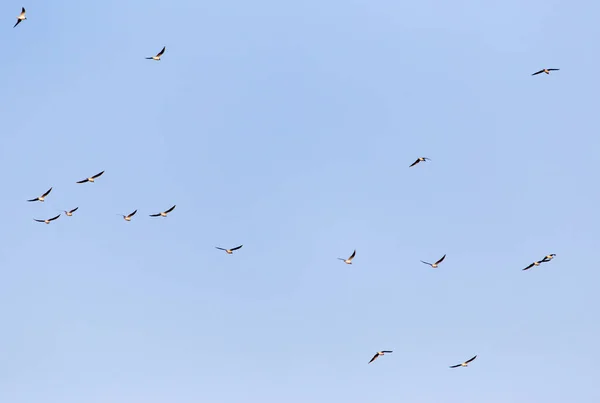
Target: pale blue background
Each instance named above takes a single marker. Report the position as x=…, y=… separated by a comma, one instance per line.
x=288, y=126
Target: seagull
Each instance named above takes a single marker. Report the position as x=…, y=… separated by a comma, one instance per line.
x=420, y=159
x=464, y=364
x=229, y=251
x=128, y=217
x=21, y=17
x=349, y=260
x=164, y=213
x=70, y=212
x=48, y=220
x=158, y=55
x=42, y=197
x=436, y=264
x=547, y=71
x=91, y=178
x=549, y=257
x=377, y=354
x=535, y=264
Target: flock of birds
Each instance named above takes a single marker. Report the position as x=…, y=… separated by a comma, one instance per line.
x=22, y=17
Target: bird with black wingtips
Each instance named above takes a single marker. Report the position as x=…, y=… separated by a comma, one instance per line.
x=158, y=55
x=229, y=251
x=420, y=159
x=42, y=197
x=548, y=258
x=539, y=262
x=547, y=71
x=128, y=216
x=20, y=17
x=91, y=178
x=436, y=264
x=349, y=260
x=47, y=221
x=70, y=212
x=163, y=213
x=380, y=353
x=464, y=364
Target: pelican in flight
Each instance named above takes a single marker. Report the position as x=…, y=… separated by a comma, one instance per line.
x=42, y=197
x=91, y=178
x=70, y=212
x=436, y=264
x=549, y=257
x=158, y=55
x=464, y=364
x=420, y=159
x=164, y=213
x=48, y=220
x=377, y=354
x=21, y=17
x=547, y=71
x=539, y=262
x=229, y=251
x=349, y=260
x=128, y=217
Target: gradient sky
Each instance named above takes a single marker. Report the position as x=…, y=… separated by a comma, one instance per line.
x=288, y=127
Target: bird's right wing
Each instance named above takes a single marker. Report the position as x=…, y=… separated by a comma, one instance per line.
x=538, y=72
x=454, y=366
x=529, y=267
x=414, y=163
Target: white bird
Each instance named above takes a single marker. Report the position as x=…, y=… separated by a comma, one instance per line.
x=436, y=264
x=464, y=364
x=158, y=55
x=42, y=197
x=349, y=260
x=21, y=17
x=47, y=221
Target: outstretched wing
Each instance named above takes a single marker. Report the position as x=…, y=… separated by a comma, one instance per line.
x=538, y=72
x=529, y=267
x=171, y=209
x=39, y=220
x=374, y=358
x=97, y=175
x=74, y=210
x=53, y=218
x=236, y=248
x=159, y=54
x=470, y=359
x=352, y=255
x=414, y=163
x=83, y=181
x=36, y=199
x=455, y=366
x=441, y=260
x=47, y=193
x=426, y=263
x=18, y=22
x=155, y=215
x=220, y=248
x=553, y=69
x=132, y=214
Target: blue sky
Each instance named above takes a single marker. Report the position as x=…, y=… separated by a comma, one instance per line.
x=288, y=127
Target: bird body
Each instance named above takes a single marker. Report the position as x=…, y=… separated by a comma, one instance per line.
x=420, y=159
x=70, y=212
x=20, y=17
x=128, y=217
x=436, y=264
x=378, y=354
x=464, y=364
x=42, y=197
x=47, y=221
x=547, y=71
x=349, y=260
x=158, y=55
x=163, y=213
x=229, y=251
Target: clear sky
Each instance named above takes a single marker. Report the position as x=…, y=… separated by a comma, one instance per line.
x=288, y=127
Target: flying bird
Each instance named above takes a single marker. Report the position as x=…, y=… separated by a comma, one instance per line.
x=377, y=354
x=91, y=178
x=549, y=257
x=158, y=55
x=436, y=264
x=547, y=71
x=128, y=217
x=164, y=213
x=420, y=159
x=48, y=220
x=229, y=251
x=464, y=364
x=21, y=17
x=70, y=212
x=42, y=197
x=539, y=262
x=349, y=260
